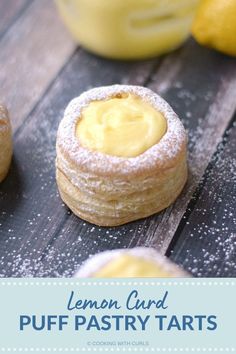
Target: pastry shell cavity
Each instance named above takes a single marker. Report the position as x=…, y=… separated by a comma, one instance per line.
x=108, y=190
x=100, y=260
x=5, y=142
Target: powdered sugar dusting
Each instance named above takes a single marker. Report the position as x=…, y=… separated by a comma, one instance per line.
x=98, y=261
x=210, y=230
x=161, y=154
x=4, y=120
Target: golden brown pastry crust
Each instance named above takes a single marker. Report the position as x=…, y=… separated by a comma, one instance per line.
x=5, y=142
x=108, y=190
x=100, y=260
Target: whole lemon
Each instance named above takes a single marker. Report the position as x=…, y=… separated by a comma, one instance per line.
x=215, y=25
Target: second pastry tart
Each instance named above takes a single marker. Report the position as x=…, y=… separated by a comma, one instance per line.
x=5, y=142
x=139, y=262
x=121, y=155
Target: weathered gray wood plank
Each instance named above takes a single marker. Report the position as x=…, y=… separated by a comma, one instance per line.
x=9, y=11
x=34, y=50
x=31, y=210
x=205, y=243
x=60, y=241
x=205, y=101
x=39, y=236
x=206, y=122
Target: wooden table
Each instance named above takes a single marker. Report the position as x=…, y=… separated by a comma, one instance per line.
x=41, y=69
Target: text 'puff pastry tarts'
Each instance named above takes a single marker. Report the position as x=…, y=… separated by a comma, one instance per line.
x=137, y=262
x=5, y=142
x=121, y=155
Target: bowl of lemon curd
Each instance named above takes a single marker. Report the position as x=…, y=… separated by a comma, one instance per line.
x=128, y=29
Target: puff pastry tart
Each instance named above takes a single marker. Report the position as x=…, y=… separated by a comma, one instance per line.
x=121, y=155
x=5, y=142
x=130, y=263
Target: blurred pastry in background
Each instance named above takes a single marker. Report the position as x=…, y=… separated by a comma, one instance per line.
x=137, y=262
x=121, y=155
x=130, y=29
x=5, y=142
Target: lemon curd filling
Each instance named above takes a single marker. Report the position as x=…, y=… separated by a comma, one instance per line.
x=129, y=29
x=129, y=266
x=120, y=126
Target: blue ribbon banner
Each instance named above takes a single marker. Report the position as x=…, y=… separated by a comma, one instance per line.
x=111, y=316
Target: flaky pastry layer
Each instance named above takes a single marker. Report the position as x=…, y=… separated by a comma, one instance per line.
x=5, y=142
x=107, y=190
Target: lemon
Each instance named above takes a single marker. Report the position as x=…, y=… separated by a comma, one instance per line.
x=215, y=25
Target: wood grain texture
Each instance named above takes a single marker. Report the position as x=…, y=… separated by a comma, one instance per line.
x=208, y=103
x=205, y=102
x=34, y=50
x=9, y=11
x=32, y=214
x=56, y=242
x=205, y=242
x=38, y=235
